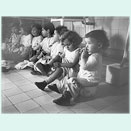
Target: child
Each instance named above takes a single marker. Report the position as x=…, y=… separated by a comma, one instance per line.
x=71, y=40
x=14, y=39
x=90, y=68
x=56, y=48
x=47, y=32
x=25, y=42
x=34, y=49
x=35, y=45
x=11, y=45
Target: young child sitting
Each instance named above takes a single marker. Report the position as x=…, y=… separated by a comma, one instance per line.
x=71, y=40
x=35, y=45
x=89, y=74
x=34, y=49
x=12, y=43
x=25, y=41
x=56, y=48
x=48, y=41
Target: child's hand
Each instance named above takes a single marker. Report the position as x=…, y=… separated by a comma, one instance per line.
x=84, y=54
x=57, y=64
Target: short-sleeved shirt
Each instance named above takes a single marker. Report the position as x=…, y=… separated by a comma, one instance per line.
x=46, y=44
x=26, y=40
x=36, y=40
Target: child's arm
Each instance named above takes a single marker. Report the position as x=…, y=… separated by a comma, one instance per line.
x=73, y=63
x=90, y=63
x=40, y=55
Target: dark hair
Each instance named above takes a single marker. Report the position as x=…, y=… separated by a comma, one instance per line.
x=26, y=28
x=61, y=30
x=38, y=27
x=99, y=36
x=17, y=25
x=72, y=37
x=49, y=26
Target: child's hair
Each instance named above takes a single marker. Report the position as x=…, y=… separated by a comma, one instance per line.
x=73, y=37
x=49, y=26
x=26, y=28
x=17, y=25
x=99, y=36
x=38, y=27
x=61, y=30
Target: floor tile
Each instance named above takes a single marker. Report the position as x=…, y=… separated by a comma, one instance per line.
x=35, y=93
x=113, y=99
x=6, y=102
x=8, y=85
x=67, y=112
x=21, y=82
x=27, y=87
x=83, y=108
x=5, y=80
x=53, y=108
x=19, y=98
x=37, y=110
x=15, y=77
x=98, y=104
x=35, y=79
x=12, y=91
x=42, y=100
x=54, y=94
x=9, y=109
x=26, y=106
x=114, y=109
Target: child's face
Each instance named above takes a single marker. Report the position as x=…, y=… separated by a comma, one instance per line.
x=68, y=45
x=36, y=47
x=44, y=32
x=91, y=45
x=14, y=29
x=34, y=31
x=22, y=32
x=56, y=36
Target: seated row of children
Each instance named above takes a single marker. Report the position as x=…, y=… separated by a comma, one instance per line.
x=59, y=51
x=21, y=42
x=76, y=68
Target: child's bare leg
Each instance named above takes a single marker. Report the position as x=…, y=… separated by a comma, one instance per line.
x=58, y=72
x=56, y=59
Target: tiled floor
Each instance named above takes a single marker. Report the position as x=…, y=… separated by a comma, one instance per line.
x=20, y=95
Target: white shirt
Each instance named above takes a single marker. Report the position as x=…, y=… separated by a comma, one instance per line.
x=95, y=74
x=70, y=55
x=36, y=41
x=26, y=40
x=56, y=48
x=46, y=44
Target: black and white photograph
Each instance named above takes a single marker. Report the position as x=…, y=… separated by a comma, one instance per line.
x=65, y=64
